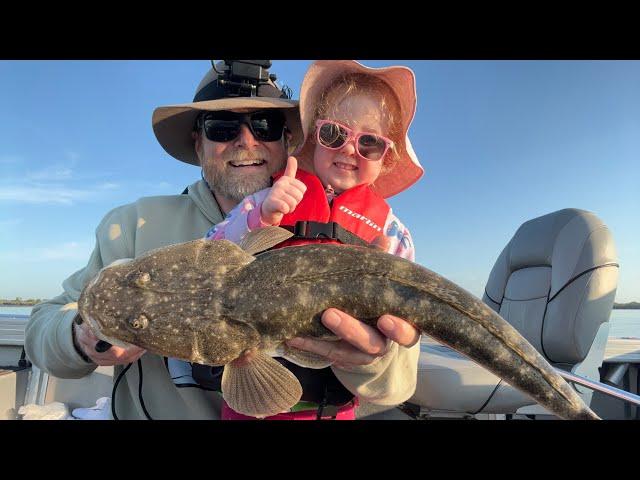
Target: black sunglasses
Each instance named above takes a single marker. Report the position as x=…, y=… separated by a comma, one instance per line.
x=224, y=126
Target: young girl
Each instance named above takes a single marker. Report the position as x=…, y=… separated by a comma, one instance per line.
x=355, y=121
x=356, y=153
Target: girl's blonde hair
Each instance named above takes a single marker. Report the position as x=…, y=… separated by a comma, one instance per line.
x=343, y=87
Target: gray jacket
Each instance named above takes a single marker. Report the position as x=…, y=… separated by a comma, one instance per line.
x=131, y=230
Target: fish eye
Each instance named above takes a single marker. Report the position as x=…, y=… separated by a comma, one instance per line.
x=139, y=323
x=142, y=279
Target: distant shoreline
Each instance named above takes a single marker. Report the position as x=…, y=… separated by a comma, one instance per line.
x=25, y=303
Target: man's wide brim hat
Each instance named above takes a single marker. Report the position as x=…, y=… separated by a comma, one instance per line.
x=322, y=73
x=173, y=124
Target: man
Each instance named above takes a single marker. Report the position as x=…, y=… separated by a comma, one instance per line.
x=237, y=154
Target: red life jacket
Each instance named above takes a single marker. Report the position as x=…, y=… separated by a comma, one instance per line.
x=359, y=210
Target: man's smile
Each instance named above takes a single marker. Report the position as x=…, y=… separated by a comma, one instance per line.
x=247, y=163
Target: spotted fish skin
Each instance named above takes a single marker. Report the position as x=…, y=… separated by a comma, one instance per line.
x=210, y=301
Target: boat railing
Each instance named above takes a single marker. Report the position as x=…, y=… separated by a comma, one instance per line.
x=599, y=387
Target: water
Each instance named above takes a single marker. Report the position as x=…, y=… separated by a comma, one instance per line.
x=623, y=323
x=15, y=310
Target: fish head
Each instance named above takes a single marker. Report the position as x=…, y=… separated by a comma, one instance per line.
x=155, y=300
x=111, y=304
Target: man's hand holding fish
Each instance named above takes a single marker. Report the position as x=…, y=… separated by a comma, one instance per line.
x=360, y=343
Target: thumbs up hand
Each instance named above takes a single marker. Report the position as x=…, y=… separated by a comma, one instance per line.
x=285, y=195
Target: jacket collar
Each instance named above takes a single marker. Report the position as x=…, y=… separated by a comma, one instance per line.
x=206, y=202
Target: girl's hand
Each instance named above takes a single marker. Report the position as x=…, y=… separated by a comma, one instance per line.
x=285, y=195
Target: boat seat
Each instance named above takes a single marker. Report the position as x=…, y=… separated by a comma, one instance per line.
x=555, y=282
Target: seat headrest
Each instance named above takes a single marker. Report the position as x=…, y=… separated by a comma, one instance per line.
x=570, y=241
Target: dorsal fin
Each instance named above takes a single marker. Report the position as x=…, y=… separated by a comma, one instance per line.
x=263, y=239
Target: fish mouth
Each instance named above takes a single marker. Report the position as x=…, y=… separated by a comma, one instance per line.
x=94, y=324
x=97, y=331
x=250, y=163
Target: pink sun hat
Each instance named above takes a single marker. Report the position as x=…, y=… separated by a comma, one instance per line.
x=321, y=75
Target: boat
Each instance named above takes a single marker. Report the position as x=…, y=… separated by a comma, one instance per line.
x=572, y=333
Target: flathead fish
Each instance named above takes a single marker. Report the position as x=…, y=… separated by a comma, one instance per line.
x=215, y=303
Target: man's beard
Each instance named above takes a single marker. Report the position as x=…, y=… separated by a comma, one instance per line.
x=234, y=183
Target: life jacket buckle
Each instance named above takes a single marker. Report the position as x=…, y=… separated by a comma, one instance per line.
x=314, y=230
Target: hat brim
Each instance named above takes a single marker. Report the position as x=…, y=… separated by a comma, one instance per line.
x=319, y=77
x=173, y=124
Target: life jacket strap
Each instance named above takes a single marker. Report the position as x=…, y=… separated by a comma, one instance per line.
x=309, y=230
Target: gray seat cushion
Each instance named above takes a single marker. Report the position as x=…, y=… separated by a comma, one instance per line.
x=555, y=282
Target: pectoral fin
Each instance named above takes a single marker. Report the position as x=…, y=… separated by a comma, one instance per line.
x=302, y=357
x=263, y=239
x=259, y=386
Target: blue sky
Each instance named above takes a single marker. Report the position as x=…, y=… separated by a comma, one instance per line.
x=501, y=141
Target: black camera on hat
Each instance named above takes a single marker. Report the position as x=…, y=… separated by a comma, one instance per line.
x=248, y=78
